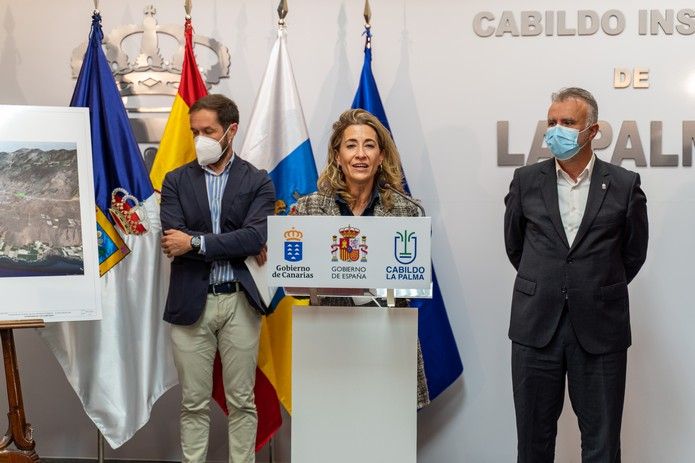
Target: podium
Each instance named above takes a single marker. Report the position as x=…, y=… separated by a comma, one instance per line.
x=354, y=368
x=354, y=384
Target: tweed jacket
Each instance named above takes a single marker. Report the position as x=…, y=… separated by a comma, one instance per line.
x=323, y=204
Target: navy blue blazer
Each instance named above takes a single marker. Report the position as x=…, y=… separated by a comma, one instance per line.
x=248, y=200
x=592, y=274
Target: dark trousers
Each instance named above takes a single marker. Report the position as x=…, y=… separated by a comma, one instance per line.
x=596, y=385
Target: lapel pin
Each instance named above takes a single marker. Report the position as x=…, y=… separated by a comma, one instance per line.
x=603, y=186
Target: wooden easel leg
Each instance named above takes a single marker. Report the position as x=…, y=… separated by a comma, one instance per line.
x=19, y=431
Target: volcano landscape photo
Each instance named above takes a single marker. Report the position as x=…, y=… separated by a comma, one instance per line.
x=40, y=225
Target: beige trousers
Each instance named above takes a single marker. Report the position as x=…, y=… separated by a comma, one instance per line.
x=231, y=325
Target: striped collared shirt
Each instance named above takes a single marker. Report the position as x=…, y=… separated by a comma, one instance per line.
x=221, y=270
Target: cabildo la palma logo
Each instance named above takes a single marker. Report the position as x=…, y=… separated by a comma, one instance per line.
x=405, y=247
x=293, y=245
x=350, y=248
x=293, y=253
x=405, y=253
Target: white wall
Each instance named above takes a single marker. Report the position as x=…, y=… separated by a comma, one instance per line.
x=444, y=89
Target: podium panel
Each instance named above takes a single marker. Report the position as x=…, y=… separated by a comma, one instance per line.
x=354, y=384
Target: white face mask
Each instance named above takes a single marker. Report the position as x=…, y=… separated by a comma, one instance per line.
x=208, y=150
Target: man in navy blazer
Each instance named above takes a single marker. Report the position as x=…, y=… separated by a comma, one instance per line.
x=214, y=215
x=576, y=231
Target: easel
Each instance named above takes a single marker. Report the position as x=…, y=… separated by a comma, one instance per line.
x=18, y=431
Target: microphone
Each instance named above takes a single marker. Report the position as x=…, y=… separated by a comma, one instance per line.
x=382, y=183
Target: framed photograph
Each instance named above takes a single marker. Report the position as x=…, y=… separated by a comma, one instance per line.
x=48, y=241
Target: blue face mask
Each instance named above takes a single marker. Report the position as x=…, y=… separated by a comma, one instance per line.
x=562, y=141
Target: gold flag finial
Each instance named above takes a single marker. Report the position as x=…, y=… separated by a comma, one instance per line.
x=96, y=6
x=367, y=14
x=282, y=12
x=188, y=6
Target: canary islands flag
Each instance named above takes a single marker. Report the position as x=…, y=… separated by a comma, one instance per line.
x=277, y=141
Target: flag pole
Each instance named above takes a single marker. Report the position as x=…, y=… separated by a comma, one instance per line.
x=367, y=14
x=100, y=436
x=367, y=24
x=282, y=14
x=100, y=439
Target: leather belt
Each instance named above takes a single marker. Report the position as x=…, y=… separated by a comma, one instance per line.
x=228, y=287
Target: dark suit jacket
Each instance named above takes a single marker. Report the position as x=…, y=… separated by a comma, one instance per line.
x=592, y=275
x=248, y=200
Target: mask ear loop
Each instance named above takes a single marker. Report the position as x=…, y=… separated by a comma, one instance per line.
x=583, y=145
x=587, y=127
x=228, y=144
x=588, y=139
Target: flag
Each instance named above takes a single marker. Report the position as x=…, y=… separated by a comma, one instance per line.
x=176, y=149
x=277, y=141
x=439, y=351
x=121, y=365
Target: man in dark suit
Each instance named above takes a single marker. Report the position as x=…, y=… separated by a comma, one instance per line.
x=576, y=231
x=214, y=214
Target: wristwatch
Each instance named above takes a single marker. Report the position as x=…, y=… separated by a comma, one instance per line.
x=195, y=243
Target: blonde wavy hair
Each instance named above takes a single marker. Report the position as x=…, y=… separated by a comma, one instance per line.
x=332, y=180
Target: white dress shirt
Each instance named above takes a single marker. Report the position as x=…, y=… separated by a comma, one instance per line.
x=572, y=197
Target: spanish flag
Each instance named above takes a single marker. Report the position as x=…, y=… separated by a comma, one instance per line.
x=176, y=149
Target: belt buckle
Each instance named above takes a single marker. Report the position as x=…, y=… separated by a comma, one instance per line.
x=232, y=285
x=229, y=286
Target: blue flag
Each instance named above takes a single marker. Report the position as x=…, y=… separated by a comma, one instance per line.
x=120, y=365
x=116, y=158
x=439, y=351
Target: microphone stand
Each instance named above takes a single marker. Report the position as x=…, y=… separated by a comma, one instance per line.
x=384, y=184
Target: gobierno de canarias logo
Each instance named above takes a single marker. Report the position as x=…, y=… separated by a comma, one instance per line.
x=293, y=245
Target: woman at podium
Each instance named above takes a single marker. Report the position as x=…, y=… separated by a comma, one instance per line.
x=363, y=177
